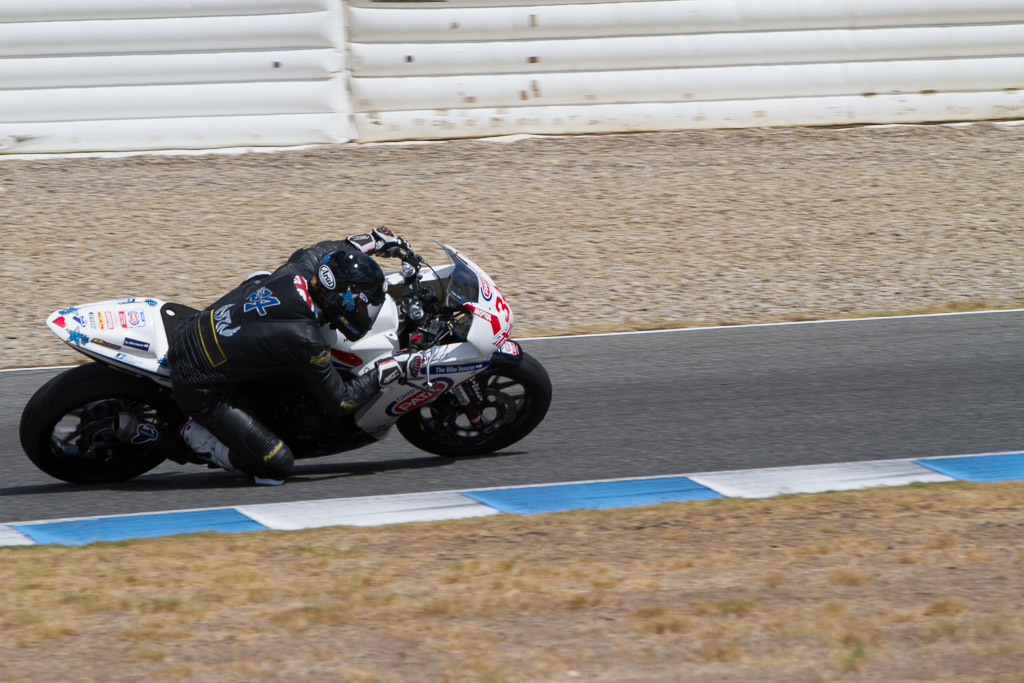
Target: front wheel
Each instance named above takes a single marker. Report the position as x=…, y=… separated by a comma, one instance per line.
x=93, y=424
x=506, y=403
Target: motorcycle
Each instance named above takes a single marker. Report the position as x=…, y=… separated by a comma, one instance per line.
x=476, y=391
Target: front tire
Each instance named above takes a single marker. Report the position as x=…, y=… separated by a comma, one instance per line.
x=512, y=401
x=68, y=428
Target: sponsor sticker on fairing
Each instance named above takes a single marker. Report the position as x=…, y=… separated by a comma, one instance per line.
x=420, y=398
x=485, y=315
x=77, y=338
x=136, y=344
x=126, y=359
x=451, y=369
x=500, y=338
x=509, y=347
x=105, y=344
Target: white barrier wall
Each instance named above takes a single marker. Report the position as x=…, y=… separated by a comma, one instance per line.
x=468, y=68
x=167, y=74
x=112, y=75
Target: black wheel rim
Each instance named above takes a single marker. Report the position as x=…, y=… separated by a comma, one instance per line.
x=84, y=437
x=502, y=401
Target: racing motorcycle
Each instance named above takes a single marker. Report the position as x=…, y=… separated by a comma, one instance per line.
x=476, y=391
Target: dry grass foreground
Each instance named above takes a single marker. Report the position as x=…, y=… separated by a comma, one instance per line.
x=918, y=583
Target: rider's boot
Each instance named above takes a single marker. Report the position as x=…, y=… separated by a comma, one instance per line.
x=217, y=454
x=206, y=444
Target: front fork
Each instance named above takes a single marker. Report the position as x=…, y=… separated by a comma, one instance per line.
x=470, y=399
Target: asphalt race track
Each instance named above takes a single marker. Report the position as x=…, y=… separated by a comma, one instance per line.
x=645, y=404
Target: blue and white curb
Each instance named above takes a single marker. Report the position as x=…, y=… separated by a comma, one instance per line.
x=441, y=505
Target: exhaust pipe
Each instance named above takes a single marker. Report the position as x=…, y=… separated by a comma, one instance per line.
x=125, y=426
x=130, y=429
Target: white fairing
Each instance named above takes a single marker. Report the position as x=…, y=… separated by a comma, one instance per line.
x=126, y=333
x=130, y=334
x=494, y=319
x=380, y=342
x=451, y=364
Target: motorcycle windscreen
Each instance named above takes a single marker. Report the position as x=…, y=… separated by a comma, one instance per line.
x=490, y=322
x=463, y=284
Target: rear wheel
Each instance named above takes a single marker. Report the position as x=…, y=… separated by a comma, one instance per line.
x=506, y=403
x=93, y=424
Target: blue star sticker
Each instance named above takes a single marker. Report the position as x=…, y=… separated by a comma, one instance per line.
x=259, y=301
x=348, y=303
x=77, y=338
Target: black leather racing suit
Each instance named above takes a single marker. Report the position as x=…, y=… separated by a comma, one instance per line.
x=259, y=328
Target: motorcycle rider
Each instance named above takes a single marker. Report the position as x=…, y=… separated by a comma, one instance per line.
x=272, y=322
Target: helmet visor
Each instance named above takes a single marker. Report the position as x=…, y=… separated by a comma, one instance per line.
x=353, y=311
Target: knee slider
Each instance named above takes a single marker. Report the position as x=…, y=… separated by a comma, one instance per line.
x=273, y=463
x=277, y=463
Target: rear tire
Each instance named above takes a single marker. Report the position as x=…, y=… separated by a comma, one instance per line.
x=516, y=399
x=67, y=427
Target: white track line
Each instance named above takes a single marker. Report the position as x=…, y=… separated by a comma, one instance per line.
x=783, y=324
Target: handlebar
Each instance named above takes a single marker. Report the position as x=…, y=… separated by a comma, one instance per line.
x=427, y=319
